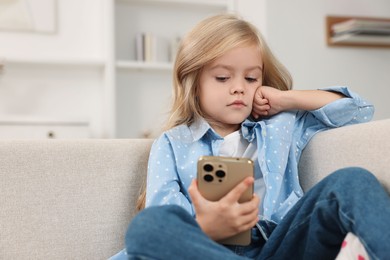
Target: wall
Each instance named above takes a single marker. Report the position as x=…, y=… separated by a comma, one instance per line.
x=49, y=76
x=365, y=70
x=78, y=36
x=295, y=31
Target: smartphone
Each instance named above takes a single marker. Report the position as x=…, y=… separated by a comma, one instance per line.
x=218, y=175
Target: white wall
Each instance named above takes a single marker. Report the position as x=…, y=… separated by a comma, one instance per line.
x=295, y=31
x=44, y=75
x=78, y=35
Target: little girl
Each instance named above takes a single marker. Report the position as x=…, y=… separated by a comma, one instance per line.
x=233, y=98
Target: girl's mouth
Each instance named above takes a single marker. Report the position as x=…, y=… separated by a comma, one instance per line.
x=238, y=103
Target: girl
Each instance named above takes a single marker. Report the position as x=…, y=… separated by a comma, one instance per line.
x=233, y=98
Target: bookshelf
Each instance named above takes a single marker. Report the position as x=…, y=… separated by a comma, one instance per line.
x=351, y=31
x=143, y=76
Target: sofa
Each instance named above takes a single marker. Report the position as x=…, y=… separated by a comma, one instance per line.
x=73, y=199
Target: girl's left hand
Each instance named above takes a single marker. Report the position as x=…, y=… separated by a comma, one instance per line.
x=226, y=217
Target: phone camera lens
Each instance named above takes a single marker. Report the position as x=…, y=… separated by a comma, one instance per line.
x=208, y=178
x=208, y=167
x=220, y=173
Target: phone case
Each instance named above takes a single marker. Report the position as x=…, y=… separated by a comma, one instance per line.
x=216, y=176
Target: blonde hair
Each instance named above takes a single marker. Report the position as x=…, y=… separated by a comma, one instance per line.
x=207, y=41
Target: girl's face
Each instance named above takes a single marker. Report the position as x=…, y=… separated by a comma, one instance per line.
x=227, y=87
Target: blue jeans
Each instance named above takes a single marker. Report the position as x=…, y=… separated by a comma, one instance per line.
x=349, y=200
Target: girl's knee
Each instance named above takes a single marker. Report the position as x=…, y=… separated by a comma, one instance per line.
x=151, y=220
x=354, y=176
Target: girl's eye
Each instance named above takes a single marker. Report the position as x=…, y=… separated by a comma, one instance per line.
x=249, y=79
x=222, y=79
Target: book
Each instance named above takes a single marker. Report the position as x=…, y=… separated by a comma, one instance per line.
x=160, y=49
x=364, y=31
x=139, y=47
x=361, y=24
x=151, y=48
x=361, y=31
x=148, y=47
x=173, y=48
x=361, y=39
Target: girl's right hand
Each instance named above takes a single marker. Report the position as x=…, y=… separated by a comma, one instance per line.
x=268, y=101
x=226, y=217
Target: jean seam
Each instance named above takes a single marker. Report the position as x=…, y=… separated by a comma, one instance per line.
x=343, y=214
x=311, y=213
x=372, y=254
x=304, y=221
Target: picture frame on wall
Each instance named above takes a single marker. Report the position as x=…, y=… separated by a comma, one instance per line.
x=37, y=16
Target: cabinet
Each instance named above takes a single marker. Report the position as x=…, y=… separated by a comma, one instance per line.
x=42, y=96
x=42, y=129
x=143, y=88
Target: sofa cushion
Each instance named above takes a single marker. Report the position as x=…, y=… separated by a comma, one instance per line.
x=68, y=199
x=365, y=145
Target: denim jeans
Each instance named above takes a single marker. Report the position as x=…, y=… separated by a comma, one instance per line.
x=349, y=200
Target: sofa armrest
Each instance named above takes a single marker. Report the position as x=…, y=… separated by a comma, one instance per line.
x=364, y=145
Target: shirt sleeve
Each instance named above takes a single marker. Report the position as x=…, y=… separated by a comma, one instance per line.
x=351, y=109
x=345, y=111
x=163, y=183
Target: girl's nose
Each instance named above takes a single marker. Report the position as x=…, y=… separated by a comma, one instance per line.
x=238, y=87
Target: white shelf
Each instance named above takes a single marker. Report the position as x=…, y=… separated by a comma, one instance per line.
x=136, y=65
x=59, y=62
x=210, y=3
x=23, y=120
x=358, y=31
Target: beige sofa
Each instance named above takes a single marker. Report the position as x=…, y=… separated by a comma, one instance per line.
x=73, y=199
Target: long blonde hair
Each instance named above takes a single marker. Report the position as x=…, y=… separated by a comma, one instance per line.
x=207, y=41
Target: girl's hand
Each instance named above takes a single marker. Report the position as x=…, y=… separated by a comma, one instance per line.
x=226, y=217
x=267, y=101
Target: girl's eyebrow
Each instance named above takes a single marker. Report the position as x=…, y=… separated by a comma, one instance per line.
x=231, y=67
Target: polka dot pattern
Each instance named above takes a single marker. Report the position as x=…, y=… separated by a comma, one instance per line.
x=280, y=141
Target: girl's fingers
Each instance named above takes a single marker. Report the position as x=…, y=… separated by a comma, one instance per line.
x=195, y=195
x=250, y=206
x=234, y=195
x=261, y=107
x=261, y=102
x=245, y=222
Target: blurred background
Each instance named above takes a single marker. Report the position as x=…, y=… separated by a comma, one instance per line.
x=102, y=68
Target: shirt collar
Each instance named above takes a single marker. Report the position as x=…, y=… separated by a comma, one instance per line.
x=201, y=127
x=248, y=129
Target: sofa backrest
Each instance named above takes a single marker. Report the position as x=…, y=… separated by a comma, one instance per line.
x=69, y=199
x=73, y=199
